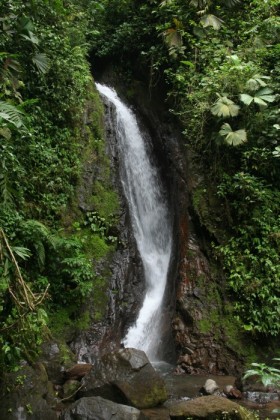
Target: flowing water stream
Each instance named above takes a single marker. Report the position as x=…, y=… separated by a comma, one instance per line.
x=150, y=221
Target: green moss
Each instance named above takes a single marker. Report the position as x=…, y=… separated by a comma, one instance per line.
x=100, y=298
x=83, y=322
x=64, y=322
x=97, y=247
x=97, y=112
x=205, y=325
x=156, y=395
x=210, y=210
x=218, y=319
x=105, y=201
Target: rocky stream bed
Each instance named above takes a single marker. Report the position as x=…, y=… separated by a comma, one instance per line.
x=124, y=385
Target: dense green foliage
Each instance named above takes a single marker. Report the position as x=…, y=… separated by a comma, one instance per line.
x=45, y=86
x=268, y=375
x=220, y=61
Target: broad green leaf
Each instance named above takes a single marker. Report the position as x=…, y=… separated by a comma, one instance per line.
x=261, y=82
x=211, y=20
x=246, y=99
x=173, y=38
x=252, y=84
x=256, y=82
x=275, y=370
x=261, y=97
x=187, y=63
x=260, y=101
x=25, y=24
x=224, y=107
x=233, y=138
x=267, y=379
x=41, y=255
x=42, y=62
x=11, y=114
x=251, y=372
x=266, y=94
x=31, y=38
x=5, y=132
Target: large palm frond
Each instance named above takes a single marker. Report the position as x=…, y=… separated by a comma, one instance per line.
x=11, y=114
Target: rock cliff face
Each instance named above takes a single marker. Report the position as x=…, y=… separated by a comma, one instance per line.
x=200, y=334
x=118, y=296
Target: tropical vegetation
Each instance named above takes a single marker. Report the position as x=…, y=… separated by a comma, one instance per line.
x=218, y=62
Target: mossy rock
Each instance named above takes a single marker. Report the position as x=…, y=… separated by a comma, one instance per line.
x=210, y=407
x=126, y=377
x=24, y=394
x=56, y=357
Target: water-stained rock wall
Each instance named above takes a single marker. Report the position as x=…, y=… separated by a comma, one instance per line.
x=200, y=334
x=203, y=337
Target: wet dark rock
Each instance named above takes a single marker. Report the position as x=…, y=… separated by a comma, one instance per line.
x=125, y=376
x=122, y=269
x=97, y=408
x=209, y=407
x=56, y=357
x=261, y=397
x=24, y=395
x=78, y=371
x=232, y=392
x=70, y=388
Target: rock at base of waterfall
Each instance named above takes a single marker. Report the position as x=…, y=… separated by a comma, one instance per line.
x=96, y=408
x=77, y=371
x=210, y=407
x=25, y=394
x=127, y=377
x=232, y=392
x=70, y=388
x=210, y=387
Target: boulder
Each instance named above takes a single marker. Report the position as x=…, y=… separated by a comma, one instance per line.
x=70, y=388
x=232, y=392
x=210, y=387
x=97, y=408
x=57, y=358
x=261, y=397
x=78, y=371
x=125, y=376
x=24, y=394
x=209, y=407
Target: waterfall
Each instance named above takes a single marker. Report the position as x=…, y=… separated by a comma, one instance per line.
x=150, y=222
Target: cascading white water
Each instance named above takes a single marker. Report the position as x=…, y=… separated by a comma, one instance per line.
x=150, y=222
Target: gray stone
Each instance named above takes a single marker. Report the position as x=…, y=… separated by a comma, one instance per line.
x=261, y=397
x=24, y=394
x=70, y=389
x=97, y=408
x=210, y=387
x=125, y=376
x=56, y=357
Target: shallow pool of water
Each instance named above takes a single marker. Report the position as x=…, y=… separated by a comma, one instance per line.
x=187, y=386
